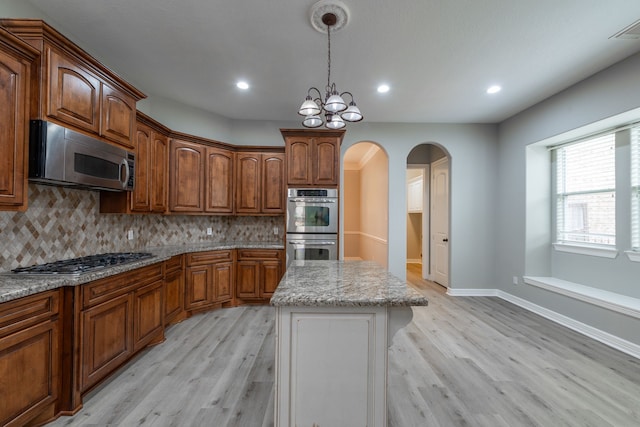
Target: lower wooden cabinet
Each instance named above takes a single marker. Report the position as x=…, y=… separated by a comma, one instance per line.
x=209, y=278
x=174, y=290
x=258, y=273
x=30, y=357
x=120, y=315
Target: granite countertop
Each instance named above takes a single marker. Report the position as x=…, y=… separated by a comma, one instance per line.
x=13, y=286
x=343, y=284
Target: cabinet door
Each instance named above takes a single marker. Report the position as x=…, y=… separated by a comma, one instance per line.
x=159, y=172
x=248, y=183
x=199, y=287
x=298, y=151
x=107, y=338
x=29, y=369
x=118, y=116
x=325, y=161
x=148, y=318
x=74, y=93
x=141, y=195
x=223, y=280
x=14, y=80
x=219, y=181
x=173, y=295
x=247, y=279
x=273, y=186
x=186, y=191
x=271, y=272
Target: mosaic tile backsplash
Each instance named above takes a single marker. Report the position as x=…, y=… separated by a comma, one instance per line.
x=66, y=223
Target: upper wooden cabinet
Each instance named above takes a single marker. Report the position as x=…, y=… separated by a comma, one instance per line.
x=313, y=157
x=16, y=58
x=260, y=187
x=151, y=186
x=74, y=89
x=201, y=178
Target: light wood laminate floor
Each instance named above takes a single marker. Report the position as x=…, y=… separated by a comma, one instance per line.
x=462, y=361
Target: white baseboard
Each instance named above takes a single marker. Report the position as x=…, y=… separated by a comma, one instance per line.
x=352, y=258
x=589, y=331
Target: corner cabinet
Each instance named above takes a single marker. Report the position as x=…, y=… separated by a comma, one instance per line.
x=151, y=183
x=260, y=183
x=313, y=157
x=74, y=89
x=16, y=58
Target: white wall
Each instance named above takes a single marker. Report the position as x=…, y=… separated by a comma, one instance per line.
x=609, y=93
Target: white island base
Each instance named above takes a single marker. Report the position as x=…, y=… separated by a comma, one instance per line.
x=331, y=364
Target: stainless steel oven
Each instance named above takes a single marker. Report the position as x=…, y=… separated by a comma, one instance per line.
x=312, y=210
x=311, y=247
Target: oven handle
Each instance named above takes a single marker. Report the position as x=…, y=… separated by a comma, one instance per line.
x=307, y=200
x=311, y=243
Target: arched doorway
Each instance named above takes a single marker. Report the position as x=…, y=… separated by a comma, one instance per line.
x=365, y=197
x=428, y=212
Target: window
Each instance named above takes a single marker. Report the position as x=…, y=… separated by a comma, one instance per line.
x=635, y=188
x=585, y=192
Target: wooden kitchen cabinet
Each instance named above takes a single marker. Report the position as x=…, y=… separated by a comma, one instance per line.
x=209, y=278
x=174, y=290
x=201, y=178
x=260, y=186
x=30, y=358
x=151, y=192
x=258, y=272
x=313, y=157
x=74, y=89
x=16, y=58
x=120, y=315
x=219, y=180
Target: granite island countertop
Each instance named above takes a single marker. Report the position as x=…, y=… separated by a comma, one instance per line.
x=13, y=286
x=343, y=284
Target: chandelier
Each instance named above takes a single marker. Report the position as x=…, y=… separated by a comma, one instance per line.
x=332, y=14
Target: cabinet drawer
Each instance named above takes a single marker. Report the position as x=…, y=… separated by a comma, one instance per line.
x=23, y=312
x=173, y=263
x=196, y=258
x=259, y=253
x=109, y=287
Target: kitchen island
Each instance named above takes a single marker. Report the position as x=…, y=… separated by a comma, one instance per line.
x=334, y=323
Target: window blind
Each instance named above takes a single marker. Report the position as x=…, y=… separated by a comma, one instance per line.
x=635, y=188
x=585, y=191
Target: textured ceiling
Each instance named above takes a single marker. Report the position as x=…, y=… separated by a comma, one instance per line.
x=438, y=56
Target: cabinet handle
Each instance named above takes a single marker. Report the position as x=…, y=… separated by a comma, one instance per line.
x=445, y=240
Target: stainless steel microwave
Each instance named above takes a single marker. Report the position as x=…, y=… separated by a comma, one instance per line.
x=60, y=156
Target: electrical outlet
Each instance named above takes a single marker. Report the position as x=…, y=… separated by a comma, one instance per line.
x=515, y=280
x=130, y=235
x=275, y=231
x=209, y=231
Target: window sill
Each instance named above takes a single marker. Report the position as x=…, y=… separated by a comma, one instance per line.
x=606, y=299
x=586, y=250
x=633, y=255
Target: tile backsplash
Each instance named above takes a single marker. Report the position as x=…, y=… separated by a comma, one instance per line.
x=66, y=223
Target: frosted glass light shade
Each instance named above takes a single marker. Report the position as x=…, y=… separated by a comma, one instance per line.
x=335, y=104
x=309, y=108
x=312, y=121
x=335, y=122
x=352, y=114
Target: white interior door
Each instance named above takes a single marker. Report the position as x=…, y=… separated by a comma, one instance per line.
x=440, y=221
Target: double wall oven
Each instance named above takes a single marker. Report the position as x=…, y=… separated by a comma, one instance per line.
x=312, y=224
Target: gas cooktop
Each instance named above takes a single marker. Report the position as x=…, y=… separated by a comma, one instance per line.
x=86, y=264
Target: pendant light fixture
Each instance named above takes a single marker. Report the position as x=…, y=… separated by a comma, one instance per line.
x=325, y=16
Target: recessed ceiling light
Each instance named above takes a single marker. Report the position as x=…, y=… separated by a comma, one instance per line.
x=494, y=89
x=383, y=88
x=242, y=85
